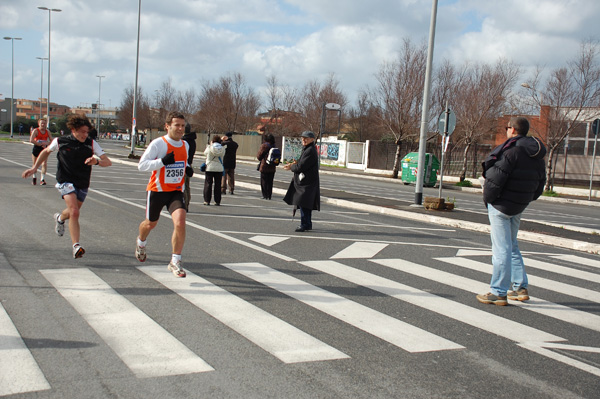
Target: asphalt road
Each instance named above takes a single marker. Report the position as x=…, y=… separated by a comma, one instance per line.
x=366, y=305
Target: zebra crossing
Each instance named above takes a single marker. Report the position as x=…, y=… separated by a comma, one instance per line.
x=150, y=350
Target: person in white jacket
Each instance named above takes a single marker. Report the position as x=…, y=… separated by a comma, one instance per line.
x=214, y=170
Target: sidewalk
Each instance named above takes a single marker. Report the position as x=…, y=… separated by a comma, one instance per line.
x=554, y=235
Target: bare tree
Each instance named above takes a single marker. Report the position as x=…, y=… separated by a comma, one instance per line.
x=310, y=102
x=362, y=120
x=481, y=97
x=566, y=99
x=126, y=109
x=187, y=102
x=227, y=105
x=398, y=95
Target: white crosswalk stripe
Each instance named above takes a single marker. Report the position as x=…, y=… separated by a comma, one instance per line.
x=277, y=337
x=19, y=372
x=457, y=311
x=567, y=289
x=360, y=250
x=541, y=306
x=566, y=271
x=149, y=350
x=394, y=331
x=579, y=260
x=143, y=345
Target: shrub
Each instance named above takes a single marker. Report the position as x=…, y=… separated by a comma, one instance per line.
x=464, y=183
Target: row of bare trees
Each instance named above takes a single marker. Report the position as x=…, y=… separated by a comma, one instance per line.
x=230, y=105
x=478, y=93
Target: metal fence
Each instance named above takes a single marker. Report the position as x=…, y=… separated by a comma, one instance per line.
x=572, y=168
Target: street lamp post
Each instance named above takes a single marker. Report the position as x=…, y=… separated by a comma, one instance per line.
x=41, y=83
x=137, y=66
x=332, y=107
x=425, y=109
x=49, y=41
x=98, y=106
x=12, y=94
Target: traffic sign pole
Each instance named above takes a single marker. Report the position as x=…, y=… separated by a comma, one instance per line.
x=446, y=124
x=596, y=130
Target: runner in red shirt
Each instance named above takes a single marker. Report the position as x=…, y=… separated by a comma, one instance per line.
x=40, y=138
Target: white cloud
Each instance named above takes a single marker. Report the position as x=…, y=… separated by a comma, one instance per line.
x=191, y=41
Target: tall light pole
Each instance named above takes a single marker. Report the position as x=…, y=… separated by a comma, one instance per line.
x=12, y=93
x=49, y=41
x=98, y=106
x=137, y=65
x=41, y=84
x=425, y=109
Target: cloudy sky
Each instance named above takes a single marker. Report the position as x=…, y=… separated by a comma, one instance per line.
x=191, y=41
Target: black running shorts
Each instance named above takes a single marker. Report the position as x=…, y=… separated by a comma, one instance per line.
x=36, y=150
x=157, y=200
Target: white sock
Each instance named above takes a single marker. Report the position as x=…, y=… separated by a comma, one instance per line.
x=76, y=244
x=42, y=176
x=140, y=242
x=175, y=258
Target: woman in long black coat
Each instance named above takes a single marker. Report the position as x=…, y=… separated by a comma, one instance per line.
x=267, y=171
x=304, y=191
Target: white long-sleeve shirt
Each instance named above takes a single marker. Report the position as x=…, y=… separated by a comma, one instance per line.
x=151, y=160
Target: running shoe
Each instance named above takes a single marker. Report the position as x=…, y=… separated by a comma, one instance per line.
x=60, y=226
x=34, y=180
x=492, y=299
x=43, y=182
x=140, y=253
x=78, y=251
x=176, y=268
x=518, y=295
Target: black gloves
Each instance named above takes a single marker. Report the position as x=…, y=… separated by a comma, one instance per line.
x=168, y=159
x=189, y=171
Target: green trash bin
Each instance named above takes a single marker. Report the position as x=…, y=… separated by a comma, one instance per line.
x=409, y=169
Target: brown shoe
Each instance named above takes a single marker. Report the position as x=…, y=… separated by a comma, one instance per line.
x=518, y=295
x=490, y=298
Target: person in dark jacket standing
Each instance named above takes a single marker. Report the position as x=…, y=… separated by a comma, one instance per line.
x=190, y=138
x=304, y=191
x=267, y=171
x=229, y=162
x=514, y=175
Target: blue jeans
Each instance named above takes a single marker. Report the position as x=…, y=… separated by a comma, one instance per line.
x=506, y=257
x=306, y=218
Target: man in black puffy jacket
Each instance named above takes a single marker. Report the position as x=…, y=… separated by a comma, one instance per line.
x=514, y=176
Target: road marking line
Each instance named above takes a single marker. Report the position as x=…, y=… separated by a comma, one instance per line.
x=202, y=228
x=19, y=372
x=579, y=259
x=466, y=314
x=541, y=348
x=550, y=309
x=394, y=331
x=360, y=250
x=567, y=289
x=141, y=343
x=281, y=339
x=268, y=241
x=567, y=271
